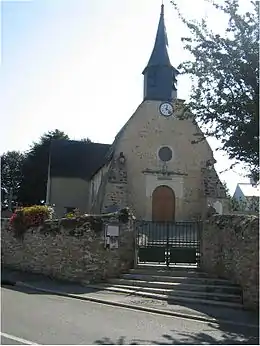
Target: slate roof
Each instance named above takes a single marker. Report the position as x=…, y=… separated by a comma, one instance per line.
x=76, y=159
x=160, y=54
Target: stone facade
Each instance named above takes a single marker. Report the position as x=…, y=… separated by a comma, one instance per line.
x=115, y=193
x=230, y=249
x=70, y=249
x=186, y=173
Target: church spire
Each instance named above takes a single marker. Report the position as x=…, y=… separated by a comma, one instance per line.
x=159, y=54
x=159, y=74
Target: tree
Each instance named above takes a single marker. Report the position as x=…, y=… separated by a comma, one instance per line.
x=225, y=80
x=35, y=169
x=11, y=173
x=86, y=140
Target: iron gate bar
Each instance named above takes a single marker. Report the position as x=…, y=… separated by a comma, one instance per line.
x=170, y=236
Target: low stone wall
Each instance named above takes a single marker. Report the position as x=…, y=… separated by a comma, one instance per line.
x=70, y=249
x=230, y=249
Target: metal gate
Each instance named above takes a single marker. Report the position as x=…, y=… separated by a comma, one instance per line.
x=168, y=242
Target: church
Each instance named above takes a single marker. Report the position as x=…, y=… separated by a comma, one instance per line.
x=155, y=166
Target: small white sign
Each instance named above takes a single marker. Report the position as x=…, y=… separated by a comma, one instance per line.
x=113, y=231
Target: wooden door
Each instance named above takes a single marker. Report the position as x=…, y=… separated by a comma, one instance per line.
x=163, y=204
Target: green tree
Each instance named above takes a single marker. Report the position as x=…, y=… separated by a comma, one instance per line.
x=35, y=169
x=225, y=80
x=11, y=173
x=87, y=140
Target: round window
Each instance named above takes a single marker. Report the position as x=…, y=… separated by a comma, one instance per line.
x=165, y=154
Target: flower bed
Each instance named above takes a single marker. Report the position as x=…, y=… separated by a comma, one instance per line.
x=27, y=217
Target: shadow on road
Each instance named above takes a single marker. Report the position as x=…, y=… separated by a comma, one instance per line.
x=10, y=276
x=178, y=338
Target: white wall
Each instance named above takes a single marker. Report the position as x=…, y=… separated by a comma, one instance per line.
x=68, y=192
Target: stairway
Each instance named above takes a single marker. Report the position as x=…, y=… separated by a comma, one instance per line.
x=182, y=285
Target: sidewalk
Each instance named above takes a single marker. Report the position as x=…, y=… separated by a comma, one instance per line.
x=204, y=313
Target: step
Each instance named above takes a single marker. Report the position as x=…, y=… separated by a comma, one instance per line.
x=194, y=294
x=170, y=272
x=178, y=279
x=168, y=298
x=178, y=286
x=176, y=267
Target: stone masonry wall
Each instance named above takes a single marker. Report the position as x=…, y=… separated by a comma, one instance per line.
x=115, y=196
x=230, y=249
x=68, y=249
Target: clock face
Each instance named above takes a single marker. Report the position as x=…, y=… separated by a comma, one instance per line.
x=166, y=109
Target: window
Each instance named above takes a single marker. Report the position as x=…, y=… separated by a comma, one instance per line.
x=165, y=154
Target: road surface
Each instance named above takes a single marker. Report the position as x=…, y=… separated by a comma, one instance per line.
x=30, y=317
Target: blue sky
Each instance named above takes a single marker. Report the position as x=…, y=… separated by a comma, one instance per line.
x=76, y=65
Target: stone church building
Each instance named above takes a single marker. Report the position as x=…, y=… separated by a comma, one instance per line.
x=153, y=165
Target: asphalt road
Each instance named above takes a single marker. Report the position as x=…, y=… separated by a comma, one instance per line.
x=29, y=317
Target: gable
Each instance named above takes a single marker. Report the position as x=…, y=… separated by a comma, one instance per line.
x=147, y=127
x=238, y=194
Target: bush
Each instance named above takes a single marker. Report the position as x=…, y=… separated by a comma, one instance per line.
x=73, y=214
x=27, y=217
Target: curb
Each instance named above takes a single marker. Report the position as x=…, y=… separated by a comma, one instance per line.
x=136, y=307
x=8, y=282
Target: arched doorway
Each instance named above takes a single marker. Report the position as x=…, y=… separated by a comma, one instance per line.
x=163, y=204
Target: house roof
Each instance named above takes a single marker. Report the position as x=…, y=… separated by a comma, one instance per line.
x=249, y=190
x=76, y=159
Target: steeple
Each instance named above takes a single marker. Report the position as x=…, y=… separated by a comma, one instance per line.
x=159, y=74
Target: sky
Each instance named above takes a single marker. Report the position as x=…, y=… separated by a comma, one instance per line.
x=76, y=65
